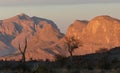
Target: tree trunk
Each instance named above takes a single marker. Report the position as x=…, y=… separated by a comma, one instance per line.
x=23, y=58
x=71, y=54
x=71, y=57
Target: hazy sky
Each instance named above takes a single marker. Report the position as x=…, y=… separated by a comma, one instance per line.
x=43, y=2
x=62, y=12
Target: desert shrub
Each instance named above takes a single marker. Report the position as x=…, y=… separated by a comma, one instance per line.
x=104, y=62
x=41, y=69
x=75, y=71
x=63, y=70
x=60, y=60
x=59, y=57
x=115, y=60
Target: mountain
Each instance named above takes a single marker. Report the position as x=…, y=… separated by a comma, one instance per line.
x=40, y=33
x=102, y=32
x=45, y=39
x=76, y=27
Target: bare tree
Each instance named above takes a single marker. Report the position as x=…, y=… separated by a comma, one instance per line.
x=23, y=51
x=71, y=44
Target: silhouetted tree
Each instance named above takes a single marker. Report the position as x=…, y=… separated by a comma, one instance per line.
x=59, y=57
x=60, y=60
x=71, y=44
x=23, y=51
x=104, y=61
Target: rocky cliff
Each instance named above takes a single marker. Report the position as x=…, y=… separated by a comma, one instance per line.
x=101, y=32
x=45, y=39
x=40, y=33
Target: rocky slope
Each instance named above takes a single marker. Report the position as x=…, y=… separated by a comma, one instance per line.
x=76, y=28
x=45, y=39
x=100, y=32
x=41, y=34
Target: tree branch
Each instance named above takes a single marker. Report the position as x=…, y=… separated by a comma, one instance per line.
x=25, y=45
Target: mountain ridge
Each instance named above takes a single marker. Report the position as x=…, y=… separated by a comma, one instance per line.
x=100, y=32
x=46, y=40
x=40, y=35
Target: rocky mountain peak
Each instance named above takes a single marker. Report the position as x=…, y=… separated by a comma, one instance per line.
x=104, y=20
x=40, y=32
x=101, y=32
x=103, y=23
x=102, y=17
x=41, y=21
x=23, y=16
x=80, y=21
x=76, y=28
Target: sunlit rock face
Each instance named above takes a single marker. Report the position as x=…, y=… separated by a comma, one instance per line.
x=45, y=39
x=100, y=32
x=41, y=34
x=103, y=30
x=76, y=28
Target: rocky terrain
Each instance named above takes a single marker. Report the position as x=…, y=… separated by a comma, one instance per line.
x=45, y=39
x=99, y=33
x=40, y=33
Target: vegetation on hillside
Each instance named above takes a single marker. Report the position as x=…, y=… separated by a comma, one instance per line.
x=92, y=63
x=103, y=61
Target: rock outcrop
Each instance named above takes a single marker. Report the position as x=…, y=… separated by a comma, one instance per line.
x=45, y=39
x=41, y=34
x=99, y=33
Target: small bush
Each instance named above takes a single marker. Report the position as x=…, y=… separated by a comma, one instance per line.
x=41, y=69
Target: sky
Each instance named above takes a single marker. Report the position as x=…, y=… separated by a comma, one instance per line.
x=62, y=12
